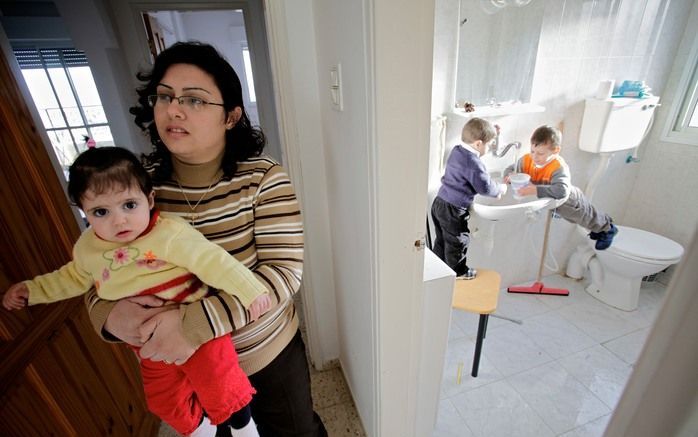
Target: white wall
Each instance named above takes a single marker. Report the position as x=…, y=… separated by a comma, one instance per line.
x=663, y=199
x=293, y=59
x=582, y=43
x=341, y=37
x=376, y=212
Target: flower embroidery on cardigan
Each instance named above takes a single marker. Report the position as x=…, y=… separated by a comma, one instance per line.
x=150, y=261
x=121, y=257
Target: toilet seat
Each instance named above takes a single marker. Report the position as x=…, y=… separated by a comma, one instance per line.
x=643, y=246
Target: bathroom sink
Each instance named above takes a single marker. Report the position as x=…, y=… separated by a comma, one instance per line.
x=509, y=207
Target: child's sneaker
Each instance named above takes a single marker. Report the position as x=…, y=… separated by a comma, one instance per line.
x=604, y=239
x=468, y=275
x=595, y=235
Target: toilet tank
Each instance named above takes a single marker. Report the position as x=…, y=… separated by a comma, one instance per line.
x=615, y=124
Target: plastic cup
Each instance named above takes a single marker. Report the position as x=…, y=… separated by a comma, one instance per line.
x=518, y=181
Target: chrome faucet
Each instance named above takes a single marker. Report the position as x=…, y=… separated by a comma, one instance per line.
x=495, y=147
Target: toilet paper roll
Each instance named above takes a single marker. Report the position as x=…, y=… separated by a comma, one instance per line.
x=605, y=89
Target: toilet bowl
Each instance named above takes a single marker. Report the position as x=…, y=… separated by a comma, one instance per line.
x=616, y=273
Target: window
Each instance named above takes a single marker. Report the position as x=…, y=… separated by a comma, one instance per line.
x=248, y=74
x=682, y=126
x=61, y=84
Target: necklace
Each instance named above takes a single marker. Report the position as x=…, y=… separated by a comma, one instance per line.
x=193, y=215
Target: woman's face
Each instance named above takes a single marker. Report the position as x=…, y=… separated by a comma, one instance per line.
x=193, y=133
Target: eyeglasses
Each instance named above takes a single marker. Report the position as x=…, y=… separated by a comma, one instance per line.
x=189, y=102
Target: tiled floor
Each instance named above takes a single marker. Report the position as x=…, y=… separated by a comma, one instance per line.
x=559, y=373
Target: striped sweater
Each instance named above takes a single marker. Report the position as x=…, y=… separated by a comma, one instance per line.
x=256, y=218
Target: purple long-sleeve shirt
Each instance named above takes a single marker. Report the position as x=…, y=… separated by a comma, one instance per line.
x=465, y=176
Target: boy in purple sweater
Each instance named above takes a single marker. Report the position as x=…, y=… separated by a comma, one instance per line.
x=465, y=176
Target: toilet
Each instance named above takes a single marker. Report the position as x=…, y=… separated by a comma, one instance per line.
x=612, y=125
x=616, y=273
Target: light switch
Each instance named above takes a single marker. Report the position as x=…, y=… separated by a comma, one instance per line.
x=336, y=87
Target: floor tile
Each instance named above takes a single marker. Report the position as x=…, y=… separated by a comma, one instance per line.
x=628, y=347
x=459, y=353
x=595, y=428
x=556, y=335
x=600, y=371
x=511, y=350
x=497, y=410
x=598, y=320
x=650, y=302
x=342, y=420
x=458, y=320
x=329, y=388
x=449, y=423
x=559, y=399
x=593, y=347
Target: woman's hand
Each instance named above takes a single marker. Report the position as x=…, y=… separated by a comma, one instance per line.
x=128, y=315
x=164, y=339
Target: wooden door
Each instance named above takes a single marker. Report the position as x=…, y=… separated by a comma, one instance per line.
x=56, y=376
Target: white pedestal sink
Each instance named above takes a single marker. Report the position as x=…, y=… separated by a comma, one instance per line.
x=508, y=207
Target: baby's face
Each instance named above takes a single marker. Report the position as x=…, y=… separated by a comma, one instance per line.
x=118, y=215
x=542, y=153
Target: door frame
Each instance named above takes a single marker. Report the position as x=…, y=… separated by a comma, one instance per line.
x=128, y=19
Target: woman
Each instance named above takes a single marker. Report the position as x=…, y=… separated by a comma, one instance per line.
x=207, y=168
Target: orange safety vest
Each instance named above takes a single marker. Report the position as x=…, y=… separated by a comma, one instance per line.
x=541, y=176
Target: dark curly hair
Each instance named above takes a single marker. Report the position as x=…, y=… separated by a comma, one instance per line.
x=104, y=168
x=241, y=142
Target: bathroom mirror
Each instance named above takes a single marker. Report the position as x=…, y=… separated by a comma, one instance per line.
x=497, y=48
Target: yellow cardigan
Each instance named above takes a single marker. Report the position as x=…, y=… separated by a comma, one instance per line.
x=169, y=260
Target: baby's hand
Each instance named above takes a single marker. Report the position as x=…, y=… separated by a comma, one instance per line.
x=16, y=297
x=259, y=306
x=506, y=179
x=528, y=190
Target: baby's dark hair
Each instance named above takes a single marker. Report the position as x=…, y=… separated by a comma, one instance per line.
x=547, y=135
x=477, y=129
x=102, y=168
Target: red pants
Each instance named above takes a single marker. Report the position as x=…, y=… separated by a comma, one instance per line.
x=211, y=381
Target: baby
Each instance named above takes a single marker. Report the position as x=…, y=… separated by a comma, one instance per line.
x=130, y=249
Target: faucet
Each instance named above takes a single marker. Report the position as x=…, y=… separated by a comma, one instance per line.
x=495, y=147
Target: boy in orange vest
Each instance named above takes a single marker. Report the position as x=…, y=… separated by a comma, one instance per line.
x=550, y=177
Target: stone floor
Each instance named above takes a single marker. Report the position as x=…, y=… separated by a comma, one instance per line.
x=559, y=373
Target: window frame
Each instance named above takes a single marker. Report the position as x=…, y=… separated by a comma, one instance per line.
x=685, y=102
x=61, y=59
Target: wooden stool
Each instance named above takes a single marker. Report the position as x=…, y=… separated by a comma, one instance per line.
x=478, y=296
